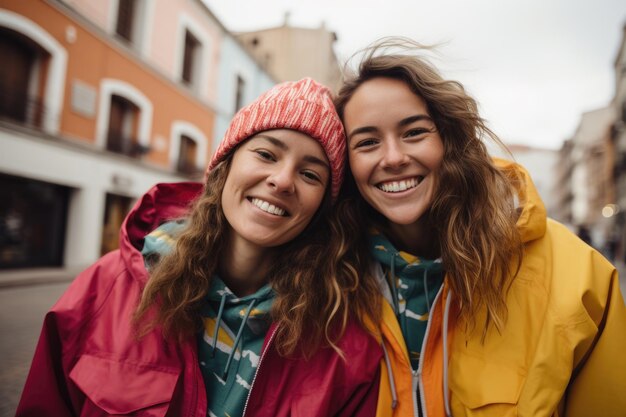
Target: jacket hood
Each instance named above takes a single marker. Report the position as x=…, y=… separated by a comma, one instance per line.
x=531, y=222
x=161, y=203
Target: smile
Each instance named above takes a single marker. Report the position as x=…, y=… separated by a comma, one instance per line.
x=268, y=207
x=399, y=186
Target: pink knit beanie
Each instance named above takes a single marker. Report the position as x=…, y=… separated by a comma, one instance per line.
x=305, y=106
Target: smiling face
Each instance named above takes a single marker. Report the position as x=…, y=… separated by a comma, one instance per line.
x=394, y=150
x=276, y=183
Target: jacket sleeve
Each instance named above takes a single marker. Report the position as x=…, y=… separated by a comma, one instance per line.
x=598, y=385
x=48, y=390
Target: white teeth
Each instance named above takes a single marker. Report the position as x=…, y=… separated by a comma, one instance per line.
x=267, y=207
x=397, y=186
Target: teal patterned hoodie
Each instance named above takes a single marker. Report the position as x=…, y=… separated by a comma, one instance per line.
x=229, y=347
x=414, y=283
x=229, y=357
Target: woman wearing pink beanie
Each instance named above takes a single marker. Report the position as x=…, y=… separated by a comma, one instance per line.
x=224, y=298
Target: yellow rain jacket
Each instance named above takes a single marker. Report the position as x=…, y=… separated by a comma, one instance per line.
x=562, y=351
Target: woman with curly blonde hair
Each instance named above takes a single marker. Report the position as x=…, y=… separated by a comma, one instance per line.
x=226, y=299
x=490, y=308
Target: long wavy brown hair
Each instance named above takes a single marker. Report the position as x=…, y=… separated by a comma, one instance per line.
x=317, y=288
x=473, y=211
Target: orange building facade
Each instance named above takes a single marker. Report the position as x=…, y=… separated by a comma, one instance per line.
x=88, y=122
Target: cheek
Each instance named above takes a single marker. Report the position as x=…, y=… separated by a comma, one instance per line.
x=310, y=204
x=241, y=177
x=359, y=169
x=224, y=193
x=226, y=198
x=229, y=185
x=231, y=194
x=313, y=203
x=437, y=153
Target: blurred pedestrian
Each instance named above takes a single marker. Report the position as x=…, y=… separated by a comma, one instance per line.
x=584, y=235
x=613, y=244
x=490, y=308
x=243, y=310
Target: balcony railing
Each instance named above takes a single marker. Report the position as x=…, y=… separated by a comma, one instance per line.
x=188, y=168
x=21, y=108
x=125, y=145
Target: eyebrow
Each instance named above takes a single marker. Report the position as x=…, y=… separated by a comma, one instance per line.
x=413, y=119
x=276, y=142
x=283, y=146
x=404, y=122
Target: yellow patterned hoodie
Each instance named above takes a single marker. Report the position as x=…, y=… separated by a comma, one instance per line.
x=562, y=351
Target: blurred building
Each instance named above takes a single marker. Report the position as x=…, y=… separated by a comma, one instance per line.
x=541, y=164
x=99, y=100
x=563, y=185
x=290, y=53
x=592, y=183
x=241, y=80
x=618, y=212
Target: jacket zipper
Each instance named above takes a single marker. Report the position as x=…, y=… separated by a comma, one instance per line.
x=269, y=344
x=415, y=385
x=417, y=375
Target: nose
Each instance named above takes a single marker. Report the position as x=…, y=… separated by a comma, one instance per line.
x=282, y=179
x=394, y=155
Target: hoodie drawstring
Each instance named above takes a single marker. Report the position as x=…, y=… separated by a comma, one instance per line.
x=392, y=383
x=237, y=339
x=218, y=320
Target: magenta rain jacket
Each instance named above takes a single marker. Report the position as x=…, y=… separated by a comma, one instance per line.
x=88, y=362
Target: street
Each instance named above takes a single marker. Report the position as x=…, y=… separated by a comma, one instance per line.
x=21, y=314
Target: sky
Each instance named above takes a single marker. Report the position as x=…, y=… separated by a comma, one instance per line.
x=534, y=66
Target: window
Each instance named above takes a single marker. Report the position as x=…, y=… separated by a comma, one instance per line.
x=124, y=118
x=188, y=148
x=47, y=76
x=241, y=85
x=192, y=55
x=131, y=22
x=115, y=209
x=33, y=217
x=187, y=156
x=126, y=12
x=21, y=82
x=122, y=129
x=190, y=58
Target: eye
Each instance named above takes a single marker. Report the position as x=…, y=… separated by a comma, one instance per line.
x=411, y=133
x=312, y=176
x=265, y=154
x=365, y=143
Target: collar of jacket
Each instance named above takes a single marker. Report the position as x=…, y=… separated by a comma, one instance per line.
x=531, y=222
x=161, y=203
